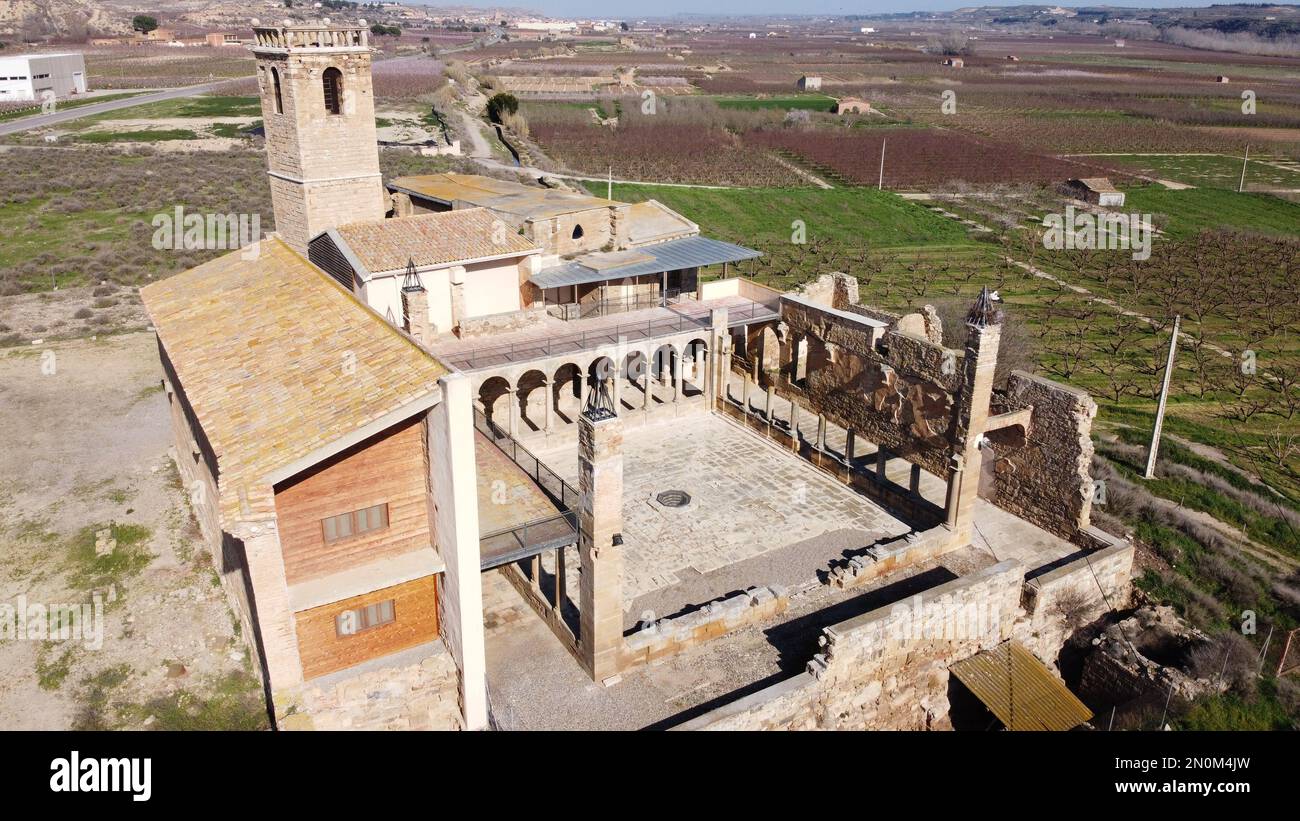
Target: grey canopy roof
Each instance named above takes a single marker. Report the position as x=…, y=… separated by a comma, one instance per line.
x=688, y=252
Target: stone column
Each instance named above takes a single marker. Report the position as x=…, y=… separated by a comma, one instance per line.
x=983, y=335
x=453, y=504
x=514, y=411
x=560, y=582
x=719, y=356
x=456, y=275
x=550, y=400
x=821, y=431
x=700, y=366
x=600, y=542
x=914, y=482
x=744, y=394
x=794, y=425
x=415, y=304
x=882, y=462
x=677, y=376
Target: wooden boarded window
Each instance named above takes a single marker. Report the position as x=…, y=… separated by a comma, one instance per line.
x=333, y=83
x=355, y=523
x=351, y=622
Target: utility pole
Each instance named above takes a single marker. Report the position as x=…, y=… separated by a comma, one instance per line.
x=1241, y=185
x=881, y=185
x=1160, y=408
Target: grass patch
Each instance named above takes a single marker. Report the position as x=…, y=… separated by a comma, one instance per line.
x=235, y=703
x=806, y=102
x=1190, y=211
x=1234, y=712
x=144, y=136
x=233, y=130
x=1209, y=170
x=52, y=667
x=98, y=689
x=758, y=216
x=127, y=559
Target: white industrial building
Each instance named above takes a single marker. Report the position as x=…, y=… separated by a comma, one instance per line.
x=28, y=76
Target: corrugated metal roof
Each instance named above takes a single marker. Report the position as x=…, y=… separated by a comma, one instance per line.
x=1020, y=690
x=688, y=252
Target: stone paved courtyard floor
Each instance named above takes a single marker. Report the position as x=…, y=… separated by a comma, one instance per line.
x=748, y=499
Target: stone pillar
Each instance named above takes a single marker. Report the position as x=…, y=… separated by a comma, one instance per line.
x=983, y=335
x=821, y=431
x=914, y=481
x=415, y=304
x=849, y=441
x=550, y=400
x=600, y=542
x=744, y=394
x=560, y=582
x=453, y=480
x=677, y=376
x=719, y=355
x=456, y=275
x=514, y=411
x=882, y=462
x=794, y=425
x=700, y=366
x=274, y=616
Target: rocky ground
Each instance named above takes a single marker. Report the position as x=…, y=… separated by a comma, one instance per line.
x=91, y=508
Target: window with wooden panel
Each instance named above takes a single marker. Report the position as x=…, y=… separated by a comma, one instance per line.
x=355, y=523
x=351, y=622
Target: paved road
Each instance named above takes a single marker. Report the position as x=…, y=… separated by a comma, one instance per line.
x=45, y=120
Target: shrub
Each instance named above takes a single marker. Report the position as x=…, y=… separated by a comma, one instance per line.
x=83, y=313
x=501, y=104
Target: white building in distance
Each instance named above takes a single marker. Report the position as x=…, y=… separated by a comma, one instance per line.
x=28, y=76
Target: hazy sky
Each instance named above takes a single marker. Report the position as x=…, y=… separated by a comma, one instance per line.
x=620, y=9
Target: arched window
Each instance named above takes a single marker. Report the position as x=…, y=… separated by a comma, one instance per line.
x=577, y=232
x=279, y=100
x=333, y=82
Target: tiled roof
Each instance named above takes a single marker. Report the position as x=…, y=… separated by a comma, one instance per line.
x=1101, y=185
x=523, y=201
x=278, y=361
x=432, y=239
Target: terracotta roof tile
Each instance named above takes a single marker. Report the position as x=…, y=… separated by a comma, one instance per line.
x=278, y=361
x=432, y=239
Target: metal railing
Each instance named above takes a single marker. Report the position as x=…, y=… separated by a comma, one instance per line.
x=560, y=492
x=493, y=356
x=511, y=544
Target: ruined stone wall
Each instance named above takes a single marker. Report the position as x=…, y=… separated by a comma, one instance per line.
x=1044, y=477
x=506, y=322
x=887, y=669
x=1060, y=599
x=669, y=636
x=901, y=395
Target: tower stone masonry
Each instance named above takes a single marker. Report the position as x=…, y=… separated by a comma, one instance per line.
x=319, y=113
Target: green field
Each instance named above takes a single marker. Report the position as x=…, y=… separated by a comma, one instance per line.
x=1191, y=210
x=1209, y=170
x=810, y=102
x=759, y=216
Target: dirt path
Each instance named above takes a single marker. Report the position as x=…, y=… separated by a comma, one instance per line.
x=87, y=450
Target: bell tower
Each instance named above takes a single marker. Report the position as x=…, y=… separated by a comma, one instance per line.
x=319, y=113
